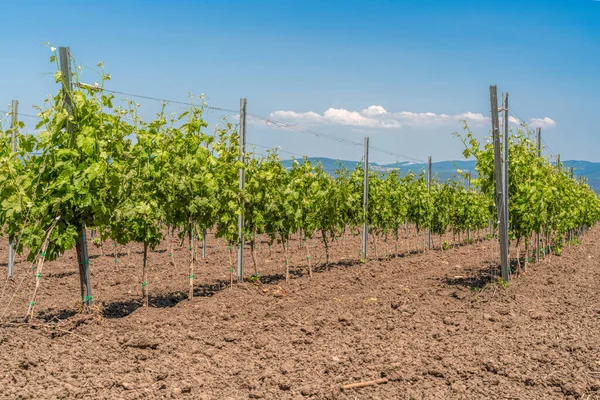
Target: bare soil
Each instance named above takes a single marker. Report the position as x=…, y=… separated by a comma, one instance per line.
x=434, y=324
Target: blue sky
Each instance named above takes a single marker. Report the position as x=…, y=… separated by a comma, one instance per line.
x=401, y=72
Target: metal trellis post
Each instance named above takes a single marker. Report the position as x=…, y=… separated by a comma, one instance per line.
x=538, y=133
x=469, y=189
x=505, y=144
x=366, y=198
x=500, y=185
x=204, y=243
x=242, y=171
x=13, y=147
x=429, y=190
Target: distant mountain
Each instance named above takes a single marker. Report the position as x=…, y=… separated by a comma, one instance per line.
x=445, y=170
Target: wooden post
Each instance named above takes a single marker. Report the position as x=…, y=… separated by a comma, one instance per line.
x=538, y=134
x=13, y=147
x=429, y=190
x=366, y=199
x=240, y=266
x=81, y=244
x=502, y=232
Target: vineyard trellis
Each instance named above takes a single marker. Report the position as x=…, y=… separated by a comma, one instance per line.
x=84, y=171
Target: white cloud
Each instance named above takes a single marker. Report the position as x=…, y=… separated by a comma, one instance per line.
x=292, y=115
x=374, y=110
x=339, y=116
x=545, y=122
x=474, y=116
x=345, y=117
x=542, y=122
x=513, y=120
x=375, y=117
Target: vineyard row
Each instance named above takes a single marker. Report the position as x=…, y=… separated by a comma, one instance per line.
x=97, y=165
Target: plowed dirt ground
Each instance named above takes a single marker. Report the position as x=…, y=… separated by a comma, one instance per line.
x=434, y=324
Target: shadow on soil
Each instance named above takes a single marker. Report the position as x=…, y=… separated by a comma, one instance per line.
x=121, y=309
x=434, y=247
x=478, y=279
x=122, y=254
x=475, y=279
x=111, y=255
x=61, y=275
x=56, y=315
